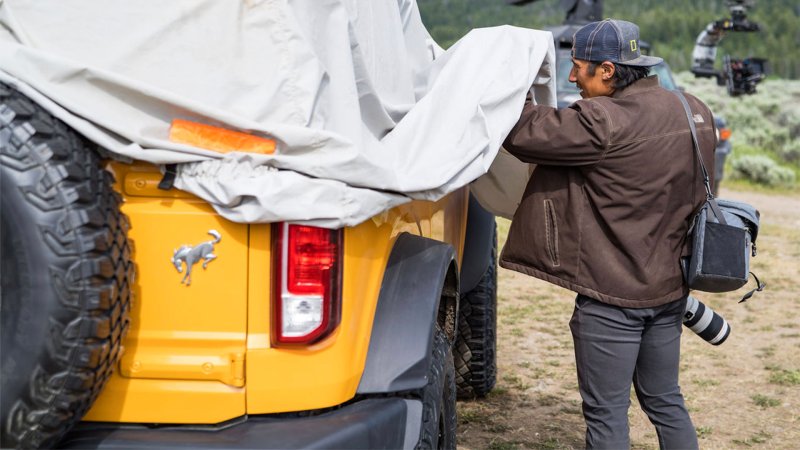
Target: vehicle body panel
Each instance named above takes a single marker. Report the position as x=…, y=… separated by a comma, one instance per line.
x=374, y=423
x=209, y=343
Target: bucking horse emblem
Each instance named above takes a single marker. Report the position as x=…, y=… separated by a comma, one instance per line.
x=190, y=255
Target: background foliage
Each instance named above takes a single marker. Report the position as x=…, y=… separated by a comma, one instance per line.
x=670, y=26
x=766, y=126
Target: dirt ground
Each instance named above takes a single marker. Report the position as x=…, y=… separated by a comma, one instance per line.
x=744, y=393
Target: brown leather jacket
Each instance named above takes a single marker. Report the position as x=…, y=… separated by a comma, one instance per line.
x=606, y=211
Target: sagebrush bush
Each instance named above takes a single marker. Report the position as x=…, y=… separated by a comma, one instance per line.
x=766, y=124
x=791, y=152
x=762, y=169
x=791, y=120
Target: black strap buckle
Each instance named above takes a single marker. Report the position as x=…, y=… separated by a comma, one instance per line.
x=168, y=181
x=759, y=287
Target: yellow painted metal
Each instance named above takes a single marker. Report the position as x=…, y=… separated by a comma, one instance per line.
x=202, y=353
x=144, y=183
x=167, y=401
x=194, y=362
x=179, y=331
x=327, y=373
x=453, y=213
x=259, y=291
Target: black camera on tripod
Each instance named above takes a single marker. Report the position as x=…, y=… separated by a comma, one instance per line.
x=742, y=75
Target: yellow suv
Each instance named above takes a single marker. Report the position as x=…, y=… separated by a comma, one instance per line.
x=229, y=335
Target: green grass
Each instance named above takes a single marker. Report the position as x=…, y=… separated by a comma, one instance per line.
x=497, y=392
x=549, y=400
x=515, y=382
x=570, y=386
x=497, y=445
x=540, y=372
x=571, y=410
x=764, y=401
x=759, y=438
x=739, y=184
x=550, y=444
x=466, y=415
x=497, y=427
x=785, y=377
x=766, y=352
x=705, y=382
x=703, y=431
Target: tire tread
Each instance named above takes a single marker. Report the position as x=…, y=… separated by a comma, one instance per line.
x=59, y=174
x=475, y=346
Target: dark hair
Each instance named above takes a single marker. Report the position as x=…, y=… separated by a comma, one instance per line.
x=624, y=75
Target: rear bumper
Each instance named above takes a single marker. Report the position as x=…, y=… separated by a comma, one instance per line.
x=369, y=424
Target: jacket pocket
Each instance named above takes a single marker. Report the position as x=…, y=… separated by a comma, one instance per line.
x=551, y=231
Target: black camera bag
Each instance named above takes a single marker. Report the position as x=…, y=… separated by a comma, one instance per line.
x=723, y=235
x=723, y=239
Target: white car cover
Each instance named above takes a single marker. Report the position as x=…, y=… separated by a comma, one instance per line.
x=366, y=110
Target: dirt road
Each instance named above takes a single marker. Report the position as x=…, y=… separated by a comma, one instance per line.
x=742, y=394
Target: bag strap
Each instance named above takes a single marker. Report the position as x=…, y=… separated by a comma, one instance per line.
x=709, y=196
x=759, y=287
x=706, y=180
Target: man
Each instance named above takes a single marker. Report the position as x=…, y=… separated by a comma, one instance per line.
x=606, y=214
x=724, y=148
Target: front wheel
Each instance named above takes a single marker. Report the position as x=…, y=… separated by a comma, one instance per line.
x=439, y=398
x=476, y=343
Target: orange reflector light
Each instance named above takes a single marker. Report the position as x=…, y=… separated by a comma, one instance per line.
x=724, y=134
x=218, y=139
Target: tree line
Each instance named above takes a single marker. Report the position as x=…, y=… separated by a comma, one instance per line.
x=671, y=27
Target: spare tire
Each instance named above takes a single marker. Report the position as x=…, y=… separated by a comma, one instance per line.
x=65, y=275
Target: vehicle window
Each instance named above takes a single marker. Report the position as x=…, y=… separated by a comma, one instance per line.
x=664, y=76
x=563, y=86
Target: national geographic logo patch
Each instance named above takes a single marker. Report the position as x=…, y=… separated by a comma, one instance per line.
x=633, y=45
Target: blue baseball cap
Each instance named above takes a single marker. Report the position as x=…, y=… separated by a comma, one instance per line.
x=611, y=40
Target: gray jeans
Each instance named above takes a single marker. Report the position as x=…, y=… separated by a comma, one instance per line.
x=615, y=347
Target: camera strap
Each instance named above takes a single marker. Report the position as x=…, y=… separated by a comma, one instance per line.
x=712, y=203
x=710, y=200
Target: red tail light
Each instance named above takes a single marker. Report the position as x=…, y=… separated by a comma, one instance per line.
x=307, y=277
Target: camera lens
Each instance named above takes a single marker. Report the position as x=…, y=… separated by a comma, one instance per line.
x=705, y=322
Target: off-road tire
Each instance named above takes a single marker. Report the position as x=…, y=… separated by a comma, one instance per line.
x=66, y=274
x=476, y=341
x=438, y=429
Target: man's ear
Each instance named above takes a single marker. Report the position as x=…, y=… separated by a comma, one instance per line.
x=607, y=69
